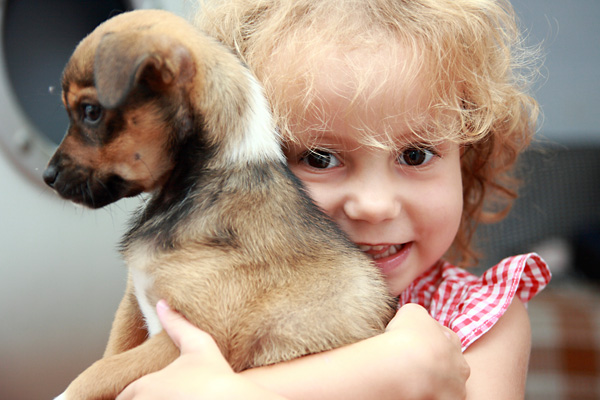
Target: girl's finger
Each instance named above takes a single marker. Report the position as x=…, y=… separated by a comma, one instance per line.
x=187, y=337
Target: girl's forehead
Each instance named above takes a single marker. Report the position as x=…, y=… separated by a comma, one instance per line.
x=382, y=77
x=378, y=94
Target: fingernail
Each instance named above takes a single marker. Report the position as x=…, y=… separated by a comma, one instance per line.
x=162, y=305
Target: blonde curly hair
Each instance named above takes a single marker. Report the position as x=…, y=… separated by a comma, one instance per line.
x=469, y=54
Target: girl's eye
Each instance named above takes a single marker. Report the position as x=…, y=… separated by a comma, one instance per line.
x=319, y=159
x=414, y=157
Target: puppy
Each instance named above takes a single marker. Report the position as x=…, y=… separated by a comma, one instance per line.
x=229, y=238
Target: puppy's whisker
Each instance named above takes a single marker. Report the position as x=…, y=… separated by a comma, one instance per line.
x=138, y=157
x=90, y=191
x=99, y=181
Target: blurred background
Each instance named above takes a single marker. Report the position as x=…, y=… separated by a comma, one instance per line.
x=61, y=277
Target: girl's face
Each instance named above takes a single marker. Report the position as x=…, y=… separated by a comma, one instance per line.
x=403, y=208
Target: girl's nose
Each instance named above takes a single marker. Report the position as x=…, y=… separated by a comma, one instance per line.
x=374, y=201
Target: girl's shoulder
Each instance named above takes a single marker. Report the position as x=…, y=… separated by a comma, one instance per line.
x=469, y=304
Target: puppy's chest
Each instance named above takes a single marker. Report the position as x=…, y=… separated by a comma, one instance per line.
x=143, y=284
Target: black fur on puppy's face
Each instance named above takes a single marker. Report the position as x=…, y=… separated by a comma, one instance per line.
x=123, y=122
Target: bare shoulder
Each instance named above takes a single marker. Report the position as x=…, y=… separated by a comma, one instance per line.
x=499, y=359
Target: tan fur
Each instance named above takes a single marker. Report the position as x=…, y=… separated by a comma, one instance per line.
x=242, y=253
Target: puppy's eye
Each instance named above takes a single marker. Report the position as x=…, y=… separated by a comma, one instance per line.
x=91, y=113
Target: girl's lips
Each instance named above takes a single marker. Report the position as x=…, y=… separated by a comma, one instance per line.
x=387, y=257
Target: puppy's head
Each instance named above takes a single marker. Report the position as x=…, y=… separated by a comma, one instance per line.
x=124, y=90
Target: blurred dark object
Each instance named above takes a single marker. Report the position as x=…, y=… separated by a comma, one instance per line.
x=559, y=199
x=38, y=38
x=586, y=254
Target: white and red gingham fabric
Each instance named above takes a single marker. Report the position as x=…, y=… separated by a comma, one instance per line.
x=471, y=305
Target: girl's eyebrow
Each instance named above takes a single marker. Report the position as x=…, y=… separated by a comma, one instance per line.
x=323, y=139
x=414, y=139
x=425, y=134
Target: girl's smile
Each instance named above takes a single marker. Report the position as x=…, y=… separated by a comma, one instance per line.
x=387, y=257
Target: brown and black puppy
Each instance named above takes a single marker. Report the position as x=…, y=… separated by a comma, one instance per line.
x=229, y=237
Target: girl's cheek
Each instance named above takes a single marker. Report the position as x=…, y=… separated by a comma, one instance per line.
x=322, y=195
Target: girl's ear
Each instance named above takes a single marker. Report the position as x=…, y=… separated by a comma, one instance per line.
x=125, y=59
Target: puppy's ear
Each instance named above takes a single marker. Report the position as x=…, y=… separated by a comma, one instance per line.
x=125, y=59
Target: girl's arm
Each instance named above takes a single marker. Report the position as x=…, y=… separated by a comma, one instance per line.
x=415, y=358
x=499, y=359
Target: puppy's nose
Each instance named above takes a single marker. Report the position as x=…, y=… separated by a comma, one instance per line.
x=50, y=175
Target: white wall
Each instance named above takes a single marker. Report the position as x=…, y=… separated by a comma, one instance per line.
x=61, y=277
x=60, y=282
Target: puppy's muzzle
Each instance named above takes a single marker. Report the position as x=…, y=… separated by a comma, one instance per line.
x=83, y=185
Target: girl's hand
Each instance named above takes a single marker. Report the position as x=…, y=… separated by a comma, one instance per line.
x=200, y=372
x=438, y=369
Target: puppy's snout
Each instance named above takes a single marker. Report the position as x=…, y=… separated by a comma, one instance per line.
x=50, y=175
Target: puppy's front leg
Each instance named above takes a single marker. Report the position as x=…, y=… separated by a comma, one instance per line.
x=128, y=328
x=106, y=378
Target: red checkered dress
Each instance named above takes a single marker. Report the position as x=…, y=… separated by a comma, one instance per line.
x=471, y=305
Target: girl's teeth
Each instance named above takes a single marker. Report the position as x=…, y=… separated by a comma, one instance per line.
x=364, y=247
x=391, y=250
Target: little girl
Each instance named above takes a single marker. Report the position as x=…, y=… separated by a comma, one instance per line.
x=403, y=119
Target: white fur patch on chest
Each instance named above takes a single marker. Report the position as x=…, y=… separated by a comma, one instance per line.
x=142, y=282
